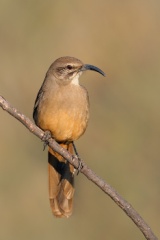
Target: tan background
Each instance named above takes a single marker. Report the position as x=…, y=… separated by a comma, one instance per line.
x=122, y=143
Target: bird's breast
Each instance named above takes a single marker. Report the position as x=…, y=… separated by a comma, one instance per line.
x=64, y=112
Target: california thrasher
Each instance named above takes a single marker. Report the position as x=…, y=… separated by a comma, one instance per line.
x=62, y=107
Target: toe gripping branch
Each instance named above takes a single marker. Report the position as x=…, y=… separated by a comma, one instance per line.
x=46, y=137
x=80, y=163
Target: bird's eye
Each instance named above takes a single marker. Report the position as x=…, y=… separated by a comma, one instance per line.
x=69, y=67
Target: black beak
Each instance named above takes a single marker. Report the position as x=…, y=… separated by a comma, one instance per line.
x=93, y=68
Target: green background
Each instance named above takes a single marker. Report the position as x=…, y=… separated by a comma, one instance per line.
x=122, y=142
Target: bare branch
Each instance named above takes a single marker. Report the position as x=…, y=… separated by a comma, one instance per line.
x=111, y=192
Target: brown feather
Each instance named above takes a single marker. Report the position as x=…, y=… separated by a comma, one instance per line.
x=61, y=183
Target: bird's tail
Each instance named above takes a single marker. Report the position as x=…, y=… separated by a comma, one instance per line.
x=61, y=183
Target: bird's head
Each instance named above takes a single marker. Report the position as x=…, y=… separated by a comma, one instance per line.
x=68, y=69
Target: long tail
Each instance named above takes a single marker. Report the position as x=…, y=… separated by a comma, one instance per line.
x=61, y=183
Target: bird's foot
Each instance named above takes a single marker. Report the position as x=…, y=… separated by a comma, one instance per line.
x=80, y=165
x=46, y=136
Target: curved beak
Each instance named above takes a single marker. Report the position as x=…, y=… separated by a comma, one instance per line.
x=93, y=68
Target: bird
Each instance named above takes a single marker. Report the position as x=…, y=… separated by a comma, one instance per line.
x=62, y=108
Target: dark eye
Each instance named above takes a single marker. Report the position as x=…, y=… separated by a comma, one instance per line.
x=69, y=67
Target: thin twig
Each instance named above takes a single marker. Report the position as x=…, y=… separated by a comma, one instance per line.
x=111, y=192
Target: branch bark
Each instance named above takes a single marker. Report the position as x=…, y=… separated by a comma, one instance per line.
x=111, y=192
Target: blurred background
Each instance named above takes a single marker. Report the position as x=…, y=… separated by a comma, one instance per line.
x=122, y=142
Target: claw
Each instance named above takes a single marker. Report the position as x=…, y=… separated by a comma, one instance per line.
x=46, y=136
x=80, y=166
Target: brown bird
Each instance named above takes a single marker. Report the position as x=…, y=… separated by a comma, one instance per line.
x=62, y=107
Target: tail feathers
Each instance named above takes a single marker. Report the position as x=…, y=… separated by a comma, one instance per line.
x=61, y=181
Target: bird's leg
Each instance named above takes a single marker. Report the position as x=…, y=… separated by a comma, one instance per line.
x=75, y=150
x=80, y=165
x=46, y=136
